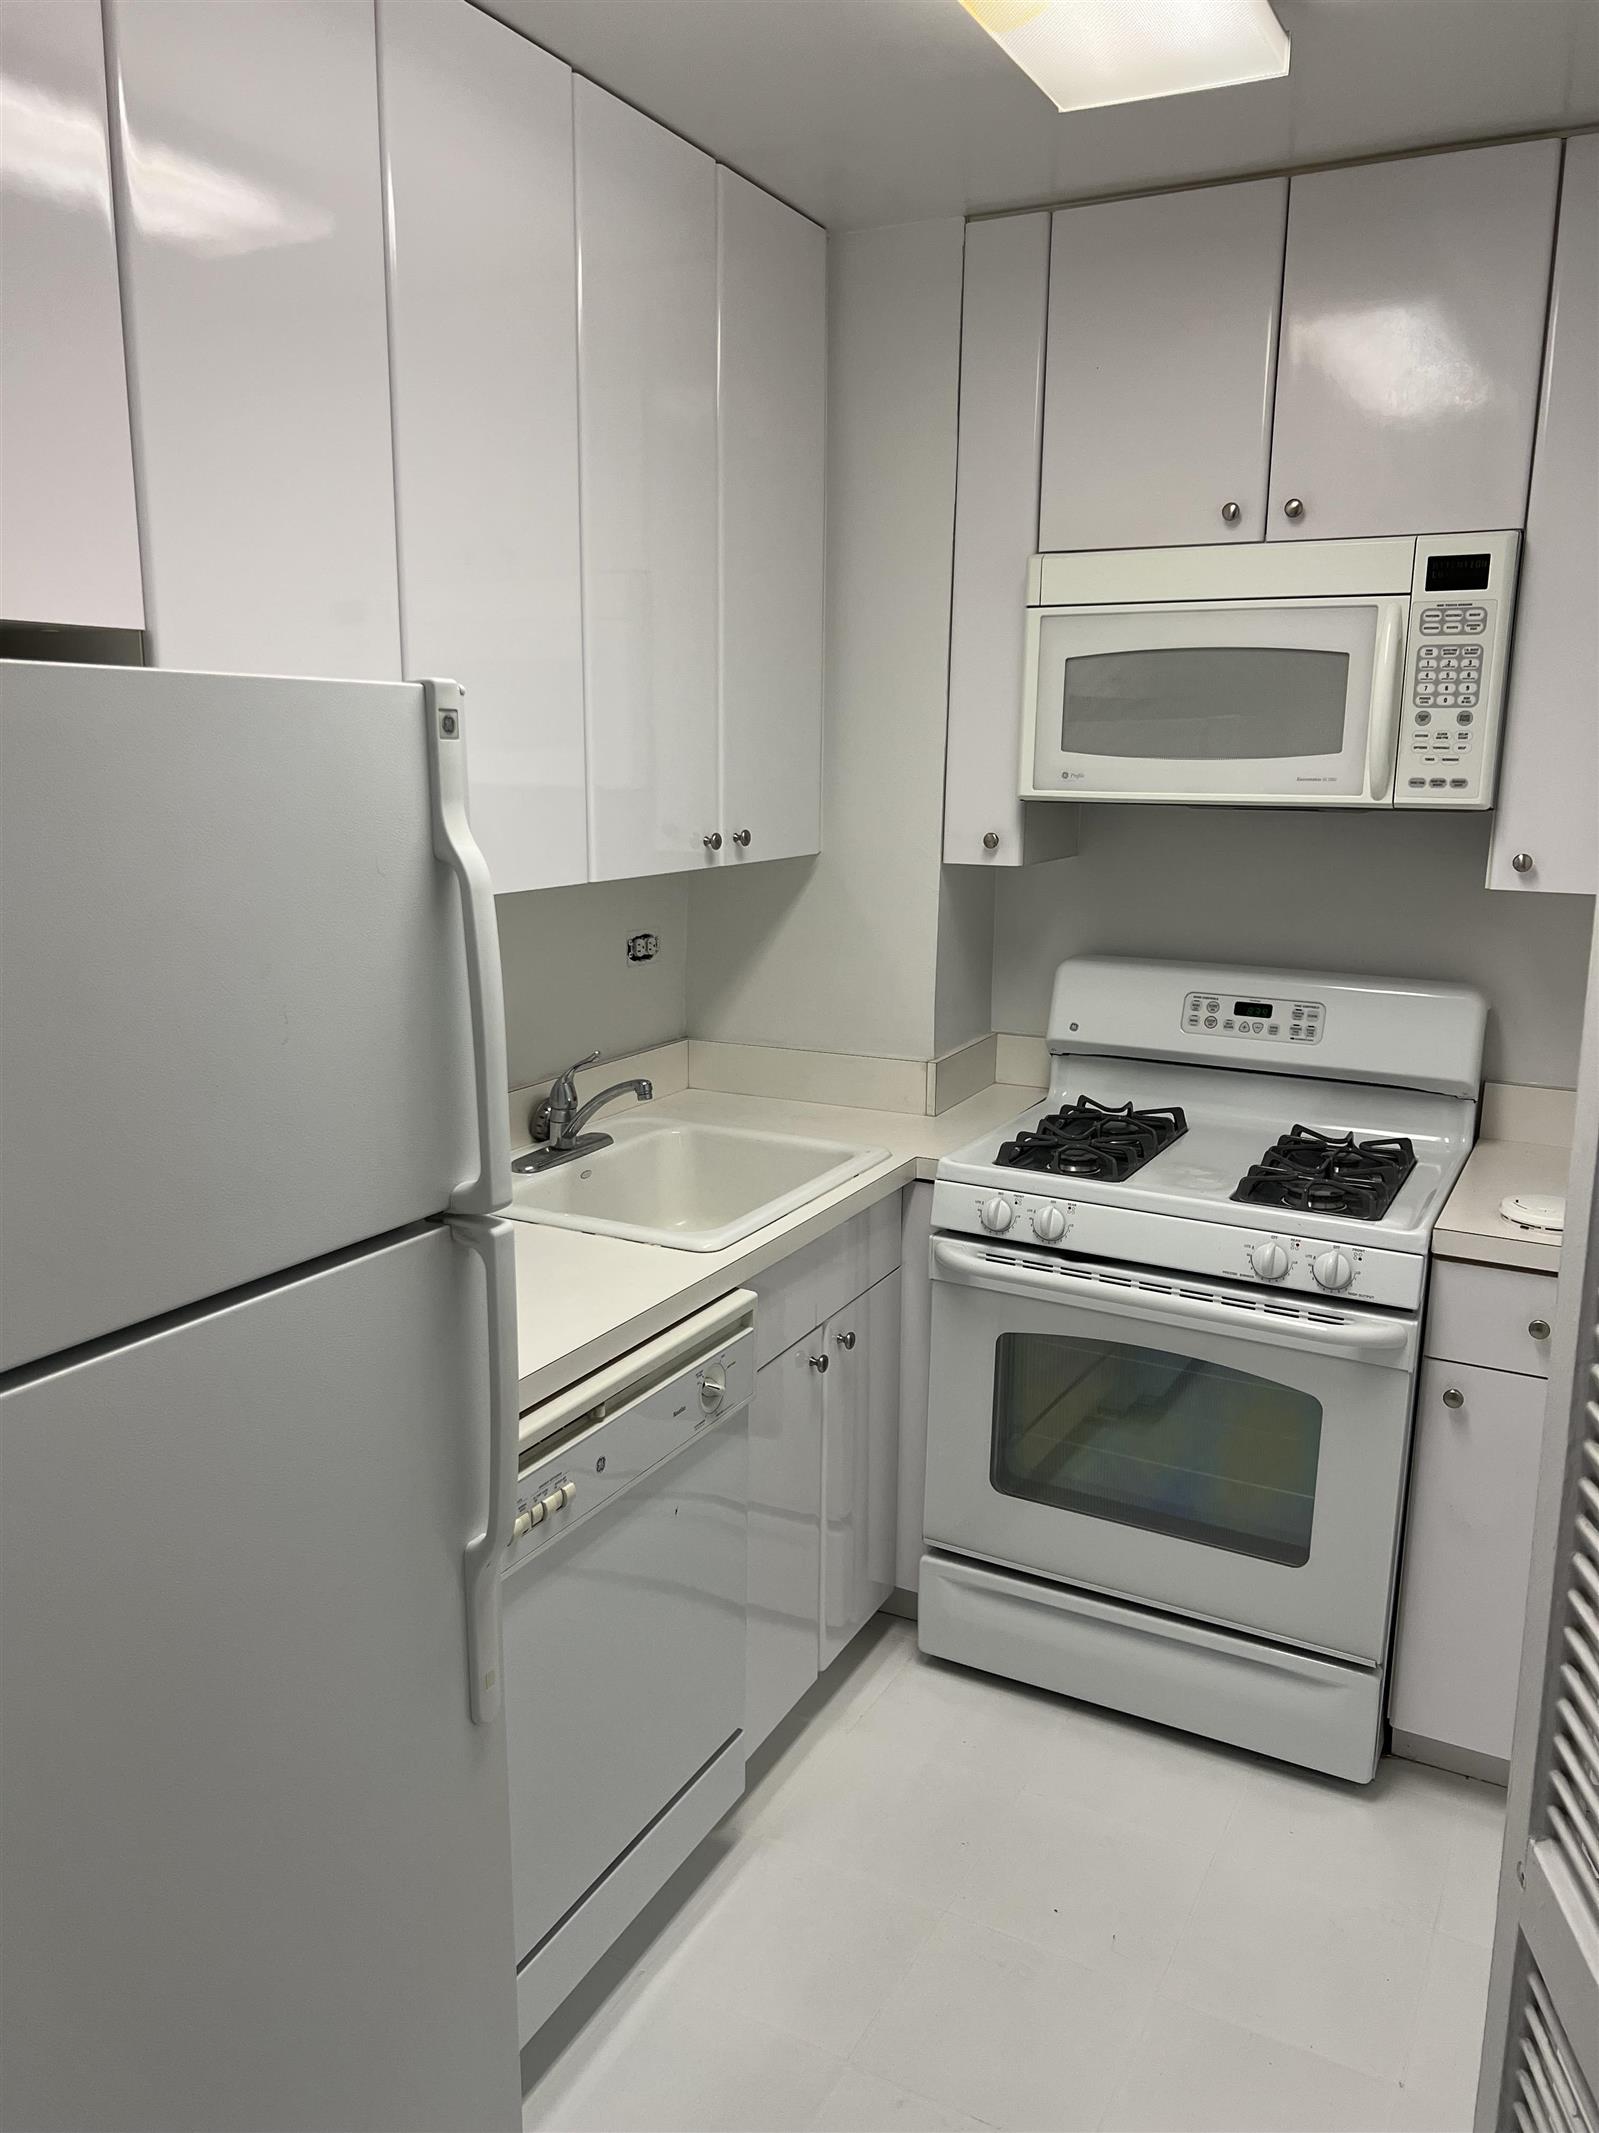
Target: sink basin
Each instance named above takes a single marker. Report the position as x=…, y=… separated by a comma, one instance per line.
x=699, y=1188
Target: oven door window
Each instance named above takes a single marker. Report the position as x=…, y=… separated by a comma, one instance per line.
x=1196, y=1450
x=1205, y=703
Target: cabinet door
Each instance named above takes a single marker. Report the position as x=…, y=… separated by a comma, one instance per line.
x=1413, y=313
x=477, y=148
x=1549, y=774
x=69, y=548
x=1468, y=1544
x=1003, y=303
x=251, y=225
x=1162, y=346
x=785, y=1536
x=646, y=228
x=860, y=1463
x=771, y=416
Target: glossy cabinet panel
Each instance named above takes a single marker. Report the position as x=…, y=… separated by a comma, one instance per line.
x=69, y=546
x=252, y=246
x=1467, y=1551
x=1004, y=300
x=771, y=417
x=1162, y=347
x=1549, y=772
x=1412, y=336
x=860, y=1463
x=477, y=140
x=646, y=218
x=785, y=1537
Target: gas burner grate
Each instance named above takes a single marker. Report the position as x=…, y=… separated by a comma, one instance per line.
x=1093, y=1140
x=1316, y=1173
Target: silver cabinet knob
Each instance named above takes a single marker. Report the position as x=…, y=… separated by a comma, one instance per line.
x=1230, y=514
x=1294, y=508
x=713, y=841
x=1538, y=1328
x=819, y=1364
x=742, y=837
x=845, y=1340
x=991, y=840
x=1522, y=862
x=1453, y=1396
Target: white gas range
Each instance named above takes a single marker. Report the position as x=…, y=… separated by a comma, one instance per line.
x=1176, y=1312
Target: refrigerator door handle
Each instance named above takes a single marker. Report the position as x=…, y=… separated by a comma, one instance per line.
x=455, y=845
x=493, y=1241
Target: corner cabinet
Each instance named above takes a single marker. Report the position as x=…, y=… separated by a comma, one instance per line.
x=646, y=234
x=1413, y=313
x=250, y=214
x=1549, y=776
x=482, y=255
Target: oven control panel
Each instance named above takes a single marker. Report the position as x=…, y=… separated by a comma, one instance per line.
x=1215, y=1014
x=1454, y=677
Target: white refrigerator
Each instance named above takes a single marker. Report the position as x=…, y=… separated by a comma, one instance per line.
x=257, y=1411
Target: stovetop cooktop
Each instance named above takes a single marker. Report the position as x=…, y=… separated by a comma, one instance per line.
x=1310, y=1172
x=1087, y=1139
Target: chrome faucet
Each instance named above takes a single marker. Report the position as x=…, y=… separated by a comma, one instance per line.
x=557, y=1120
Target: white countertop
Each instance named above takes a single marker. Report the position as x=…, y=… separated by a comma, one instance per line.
x=1471, y=1226
x=581, y=1301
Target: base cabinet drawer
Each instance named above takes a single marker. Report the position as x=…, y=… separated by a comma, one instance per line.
x=1463, y=1571
x=1498, y=1317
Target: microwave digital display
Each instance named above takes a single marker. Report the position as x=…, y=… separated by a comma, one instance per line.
x=1457, y=573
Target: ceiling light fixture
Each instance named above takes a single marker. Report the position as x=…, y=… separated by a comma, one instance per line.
x=1086, y=53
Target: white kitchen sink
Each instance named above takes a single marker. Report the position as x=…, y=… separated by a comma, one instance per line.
x=698, y=1188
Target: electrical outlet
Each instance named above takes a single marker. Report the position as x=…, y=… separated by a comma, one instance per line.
x=642, y=947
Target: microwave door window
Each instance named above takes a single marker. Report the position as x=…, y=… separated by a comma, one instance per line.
x=1205, y=703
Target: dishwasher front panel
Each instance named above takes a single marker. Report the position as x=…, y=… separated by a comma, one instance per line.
x=624, y=1659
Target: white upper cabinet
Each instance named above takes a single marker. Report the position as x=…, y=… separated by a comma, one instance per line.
x=1549, y=776
x=69, y=548
x=477, y=140
x=646, y=220
x=771, y=413
x=1413, y=321
x=1158, y=387
x=252, y=250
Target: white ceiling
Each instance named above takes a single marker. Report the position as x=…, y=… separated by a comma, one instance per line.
x=870, y=111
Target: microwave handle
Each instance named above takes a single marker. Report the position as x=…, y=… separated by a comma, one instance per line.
x=974, y=1267
x=1388, y=688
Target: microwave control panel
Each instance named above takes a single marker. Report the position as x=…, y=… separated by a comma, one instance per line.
x=1461, y=600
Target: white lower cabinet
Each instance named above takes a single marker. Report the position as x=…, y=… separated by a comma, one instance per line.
x=1468, y=1528
x=823, y=1467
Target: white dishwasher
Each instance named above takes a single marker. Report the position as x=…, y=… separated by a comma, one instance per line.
x=624, y=1603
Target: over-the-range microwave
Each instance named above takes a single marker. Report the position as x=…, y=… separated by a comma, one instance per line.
x=1366, y=673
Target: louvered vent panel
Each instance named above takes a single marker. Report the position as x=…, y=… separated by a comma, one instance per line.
x=1573, y=1777
x=1551, y=2095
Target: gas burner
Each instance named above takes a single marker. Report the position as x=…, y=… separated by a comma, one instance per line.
x=1093, y=1140
x=1325, y=1174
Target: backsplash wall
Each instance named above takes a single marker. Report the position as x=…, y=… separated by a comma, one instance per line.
x=1395, y=895
x=569, y=987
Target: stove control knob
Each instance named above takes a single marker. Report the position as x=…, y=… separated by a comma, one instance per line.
x=1269, y=1260
x=1049, y=1224
x=997, y=1213
x=1334, y=1270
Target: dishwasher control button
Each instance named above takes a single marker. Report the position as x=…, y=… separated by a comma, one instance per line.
x=535, y=1513
x=713, y=1387
x=568, y=1491
x=524, y=1524
x=554, y=1501
x=996, y=1213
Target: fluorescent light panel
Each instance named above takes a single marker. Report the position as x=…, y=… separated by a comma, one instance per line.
x=1085, y=53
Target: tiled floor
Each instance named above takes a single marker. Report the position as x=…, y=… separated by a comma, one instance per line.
x=951, y=1902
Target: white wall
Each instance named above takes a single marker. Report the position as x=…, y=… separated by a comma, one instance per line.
x=1394, y=894
x=569, y=987
x=840, y=953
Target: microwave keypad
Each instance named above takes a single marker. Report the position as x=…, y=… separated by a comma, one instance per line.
x=1455, y=619
x=1448, y=678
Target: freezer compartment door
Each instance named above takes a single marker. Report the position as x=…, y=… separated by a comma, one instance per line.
x=234, y=957
x=254, y=1854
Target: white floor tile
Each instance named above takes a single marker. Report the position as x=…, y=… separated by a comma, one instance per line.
x=1000, y=2030
x=1079, y=1885
x=1446, y=2048
x=1471, y=1891
x=1415, y=2111
x=1386, y=1846
x=677, y=2065
x=956, y=1715
x=1279, y=1957
x=802, y=1946
x=1134, y=1772
x=860, y=2103
x=1191, y=2071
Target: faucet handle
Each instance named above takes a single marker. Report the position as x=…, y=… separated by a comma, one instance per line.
x=562, y=1093
x=576, y=1067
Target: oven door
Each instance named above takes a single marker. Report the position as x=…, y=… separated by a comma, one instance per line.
x=1202, y=1447
x=1245, y=702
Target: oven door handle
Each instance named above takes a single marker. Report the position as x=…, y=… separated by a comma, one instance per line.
x=974, y=1267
